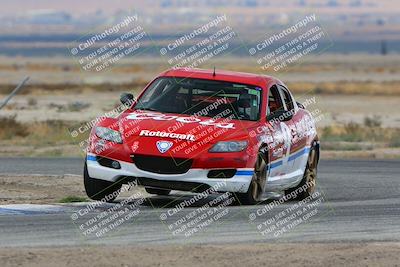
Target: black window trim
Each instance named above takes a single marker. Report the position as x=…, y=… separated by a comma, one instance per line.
x=279, y=96
x=283, y=88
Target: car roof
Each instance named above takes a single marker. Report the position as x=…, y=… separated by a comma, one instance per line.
x=223, y=75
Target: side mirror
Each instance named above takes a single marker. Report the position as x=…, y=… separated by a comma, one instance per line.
x=127, y=99
x=280, y=115
x=300, y=105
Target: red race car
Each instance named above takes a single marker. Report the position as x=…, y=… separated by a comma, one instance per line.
x=195, y=129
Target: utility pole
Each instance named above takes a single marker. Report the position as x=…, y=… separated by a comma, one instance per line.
x=13, y=93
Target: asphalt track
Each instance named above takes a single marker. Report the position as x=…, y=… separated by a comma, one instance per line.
x=358, y=201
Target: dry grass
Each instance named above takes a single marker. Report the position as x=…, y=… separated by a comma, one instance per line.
x=32, y=89
x=342, y=88
x=51, y=132
x=47, y=138
x=10, y=128
x=72, y=199
x=355, y=133
x=143, y=69
x=347, y=88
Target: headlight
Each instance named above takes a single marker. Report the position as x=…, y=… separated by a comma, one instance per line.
x=232, y=146
x=108, y=134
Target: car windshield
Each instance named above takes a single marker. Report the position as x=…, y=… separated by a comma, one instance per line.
x=200, y=97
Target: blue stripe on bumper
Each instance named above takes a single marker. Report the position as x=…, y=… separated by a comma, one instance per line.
x=91, y=158
x=244, y=173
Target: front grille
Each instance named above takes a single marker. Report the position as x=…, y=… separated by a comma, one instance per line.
x=106, y=162
x=162, y=165
x=223, y=174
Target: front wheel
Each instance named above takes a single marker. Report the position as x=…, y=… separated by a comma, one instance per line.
x=97, y=189
x=257, y=185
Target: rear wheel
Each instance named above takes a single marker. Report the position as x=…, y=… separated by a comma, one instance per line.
x=97, y=189
x=157, y=191
x=309, y=178
x=257, y=185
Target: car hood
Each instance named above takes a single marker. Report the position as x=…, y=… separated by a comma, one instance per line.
x=142, y=128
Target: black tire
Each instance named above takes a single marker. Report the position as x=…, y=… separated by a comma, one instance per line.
x=157, y=191
x=97, y=189
x=309, y=177
x=257, y=185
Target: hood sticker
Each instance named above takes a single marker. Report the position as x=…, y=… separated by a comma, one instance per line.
x=188, y=137
x=163, y=117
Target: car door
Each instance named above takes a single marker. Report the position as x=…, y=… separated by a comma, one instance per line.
x=280, y=137
x=297, y=151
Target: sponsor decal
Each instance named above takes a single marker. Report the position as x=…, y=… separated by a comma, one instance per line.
x=164, y=117
x=164, y=146
x=188, y=137
x=135, y=146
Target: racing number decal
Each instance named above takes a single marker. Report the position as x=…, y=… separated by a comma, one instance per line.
x=287, y=141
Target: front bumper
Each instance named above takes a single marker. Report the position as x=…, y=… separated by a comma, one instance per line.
x=193, y=178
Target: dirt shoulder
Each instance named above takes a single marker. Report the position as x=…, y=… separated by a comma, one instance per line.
x=38, y=189
x=44, y=189
x=315, y=254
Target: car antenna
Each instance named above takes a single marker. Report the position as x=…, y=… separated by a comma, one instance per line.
x=214, y=72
